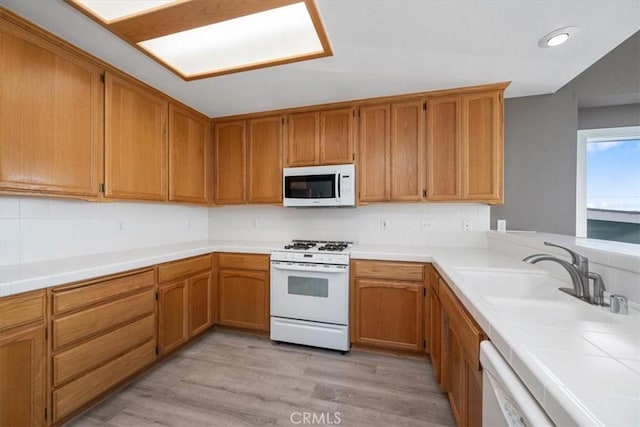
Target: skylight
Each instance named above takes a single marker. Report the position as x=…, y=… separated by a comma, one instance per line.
x=109, y=10
x=203, y=38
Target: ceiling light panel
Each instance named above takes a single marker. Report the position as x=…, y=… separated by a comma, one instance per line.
x=203, y=38
x=276, y=34
x=110, y=10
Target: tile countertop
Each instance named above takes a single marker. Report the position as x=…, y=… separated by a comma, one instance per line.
x=581, y=373
x=15, y=279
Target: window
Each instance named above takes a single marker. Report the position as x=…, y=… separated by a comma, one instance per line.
x=608, y=184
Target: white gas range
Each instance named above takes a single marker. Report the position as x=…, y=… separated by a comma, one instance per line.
x=310, y=294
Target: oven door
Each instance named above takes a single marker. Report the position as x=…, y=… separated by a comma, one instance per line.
x=314, y=292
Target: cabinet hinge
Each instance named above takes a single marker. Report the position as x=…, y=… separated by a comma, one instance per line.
x=46, y=333
x=424, y=343
x=424, y=193
x=45, y=414
x=157, y=350
x=353, y=156
x=157, y=295
x=101, y=188
x=424, y=106
x=102, y=78
x=424, y=292
x=283, y=121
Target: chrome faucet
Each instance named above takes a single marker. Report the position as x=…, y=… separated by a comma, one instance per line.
x=578, y=269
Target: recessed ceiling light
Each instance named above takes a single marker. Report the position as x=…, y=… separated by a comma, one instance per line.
x=203, y=38
x=557, y=37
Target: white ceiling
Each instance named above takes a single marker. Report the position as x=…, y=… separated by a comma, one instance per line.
x=384, y=47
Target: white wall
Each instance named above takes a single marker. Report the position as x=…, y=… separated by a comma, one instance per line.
x=443, y=223
x=40, y=229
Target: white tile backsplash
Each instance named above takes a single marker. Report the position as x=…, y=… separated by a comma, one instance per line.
x=361, y=224
x=40, y=229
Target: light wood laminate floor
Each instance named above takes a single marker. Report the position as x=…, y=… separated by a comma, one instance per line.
x=232, y=379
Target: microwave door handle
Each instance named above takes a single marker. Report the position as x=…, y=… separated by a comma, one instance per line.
x=339, y=180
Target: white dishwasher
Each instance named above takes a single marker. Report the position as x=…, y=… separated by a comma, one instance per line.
x=506, y=401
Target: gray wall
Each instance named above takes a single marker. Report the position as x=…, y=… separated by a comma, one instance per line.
x=609, y=117
x=541, y=139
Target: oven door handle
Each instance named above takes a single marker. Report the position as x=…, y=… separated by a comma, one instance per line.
x=310, y=269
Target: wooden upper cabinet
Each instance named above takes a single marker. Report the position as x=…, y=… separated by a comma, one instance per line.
x=321, y=137
x=407, y=151
x=373, y=154
x=230, y=147
x=443, y=148
x=190, y=156
x=51, y=112
x=135, y=141
x=465, y=147
x=303, y=145
x=336, y=136
x=264, y=160
x=482, y=147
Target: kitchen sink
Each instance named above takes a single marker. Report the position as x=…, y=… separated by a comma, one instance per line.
x=523, y=296
x=526, y=285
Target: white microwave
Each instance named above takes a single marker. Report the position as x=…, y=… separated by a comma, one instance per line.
x=319, y=186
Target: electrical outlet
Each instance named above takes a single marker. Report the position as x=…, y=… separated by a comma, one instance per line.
x=383, y=224
x=254, y=222
x=502, y=225
x=120, y=224
x=466, y=225
x=426, y=224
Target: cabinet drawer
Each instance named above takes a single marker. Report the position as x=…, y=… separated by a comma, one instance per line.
x=101, y=350
x=243, y=262
x=86, y=323
x=21, y=309
x=389, y=270
x=467, y=330
x=174, y=270
x=81, y=391
x=76, y=296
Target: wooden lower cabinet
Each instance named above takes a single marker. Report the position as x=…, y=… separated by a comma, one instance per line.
x=387, y=305
x=243, y=291
x=172, y=316
x=460, y=371
x=103, y=332
x=22, y=360
x=184, y=299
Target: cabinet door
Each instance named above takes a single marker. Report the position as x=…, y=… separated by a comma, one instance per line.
x=135, y=141
x=264, y=161
x=457, y=378
x=443, y=148
x=190, y=156
x=434, y=334
x=22, y=378
x=373, y=154
x=407, y=151
x=482, y=146
x=230, y=141
x=51, y=117
x=199, y=300
x=389, y=314
x=303, y=148
x=172, y=316
x=244, y=299
x=336, y=136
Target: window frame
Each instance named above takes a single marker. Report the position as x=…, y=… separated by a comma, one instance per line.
x=586, y=136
